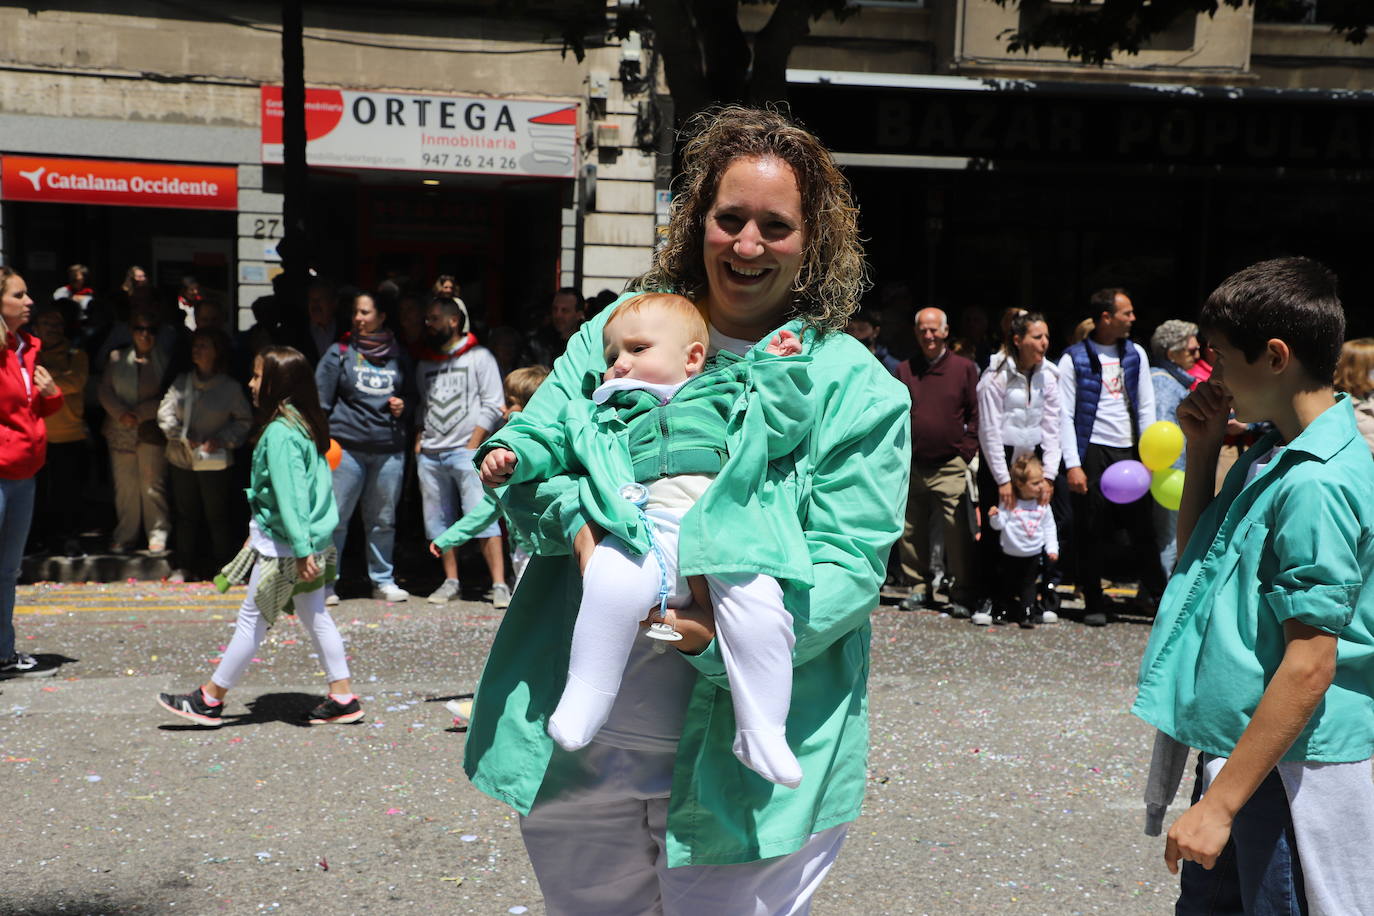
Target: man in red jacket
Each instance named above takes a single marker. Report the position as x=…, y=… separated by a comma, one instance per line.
x=27, y=395
x=944, y=439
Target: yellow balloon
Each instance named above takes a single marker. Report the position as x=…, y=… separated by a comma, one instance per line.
x=1166, y=487
x=1160, y=445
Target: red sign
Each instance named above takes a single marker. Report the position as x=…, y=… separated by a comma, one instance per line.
x=118, y=184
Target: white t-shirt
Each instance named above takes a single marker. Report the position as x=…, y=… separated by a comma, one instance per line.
x=1112, y=425
x=1261, y=463
x=736, y=345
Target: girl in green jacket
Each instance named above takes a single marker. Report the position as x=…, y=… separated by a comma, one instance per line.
x=289, y=556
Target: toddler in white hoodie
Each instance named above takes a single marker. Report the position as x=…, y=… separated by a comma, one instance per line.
x=1027, y=532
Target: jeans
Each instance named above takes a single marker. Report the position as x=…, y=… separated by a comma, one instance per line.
x=450, y=489
x=1258, y=873
x=1166, y=535
x=16, y=511
x=375, y=478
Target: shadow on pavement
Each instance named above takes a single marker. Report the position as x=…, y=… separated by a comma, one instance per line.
x=290, y=708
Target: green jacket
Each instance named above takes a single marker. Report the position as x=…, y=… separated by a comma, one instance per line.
x=848, y=480
x=729, y=421
x=291, y=489
x=475, y=522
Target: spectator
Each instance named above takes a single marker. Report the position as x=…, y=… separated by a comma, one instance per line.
x=1355, y=375
x=322, y=327
x=27, y=395
x=130, y=391
x=445, y=287
x=188, y=297
x=1104, y=408
x=567, y=311
x=1081, y=331
x=77, y=288
x=61, y=482
x=135, y=287
x=267, y=330
x=1018, y=414
x=975, y=338
x=1175, y=349
x=506, y=344
x=204, y=416
x=864, y=326
x=364, y=385
x=944, y=439
x=460, y=392
x=410, y=323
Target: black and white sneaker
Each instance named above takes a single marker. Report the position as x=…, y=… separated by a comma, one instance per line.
x=332, y=712
x=192, y=706
x=22, y=665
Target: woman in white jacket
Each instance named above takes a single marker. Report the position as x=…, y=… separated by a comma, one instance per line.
x=1018, y=413
x=205, y=416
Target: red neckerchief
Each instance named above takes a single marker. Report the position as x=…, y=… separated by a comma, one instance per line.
x=468, y=342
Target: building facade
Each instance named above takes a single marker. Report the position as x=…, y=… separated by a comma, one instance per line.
x=465, y=143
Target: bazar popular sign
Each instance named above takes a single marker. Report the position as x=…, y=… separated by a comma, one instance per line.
x=120, y=184
x=428, y=133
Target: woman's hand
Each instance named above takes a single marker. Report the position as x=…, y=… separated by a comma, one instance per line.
x=43, y=381
x=308, y=568
x=212, y=445
x=1006, y=497
x=1203, y=416
x=128, y=418
x=1046, y=493
x=498, y=466
x=396, y=406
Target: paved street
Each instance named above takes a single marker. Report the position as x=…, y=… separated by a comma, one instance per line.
x=1005, y=772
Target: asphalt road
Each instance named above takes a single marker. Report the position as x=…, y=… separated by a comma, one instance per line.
x=1005, y=774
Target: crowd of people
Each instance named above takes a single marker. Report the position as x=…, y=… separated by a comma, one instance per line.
x=156, y=412
x=723, y=775
x=1009, y=448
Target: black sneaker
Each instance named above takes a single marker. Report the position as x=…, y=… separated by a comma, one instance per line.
x=192, y=706
x=332, y=712
x=1095, y=619
x=22, y=665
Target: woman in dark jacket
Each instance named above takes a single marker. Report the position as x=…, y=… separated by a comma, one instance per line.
x=365, y=383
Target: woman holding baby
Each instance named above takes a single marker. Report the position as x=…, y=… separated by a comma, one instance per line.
x=657, y=813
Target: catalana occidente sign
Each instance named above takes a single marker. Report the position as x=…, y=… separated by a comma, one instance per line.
x=429, y=133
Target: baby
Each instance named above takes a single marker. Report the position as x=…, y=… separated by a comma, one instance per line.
x=1027, y=531
x=674, y=419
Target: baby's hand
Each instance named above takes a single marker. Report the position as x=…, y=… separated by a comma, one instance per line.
x=498, y=466
x=784, y=343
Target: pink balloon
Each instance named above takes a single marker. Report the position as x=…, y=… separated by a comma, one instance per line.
x=1125, y=481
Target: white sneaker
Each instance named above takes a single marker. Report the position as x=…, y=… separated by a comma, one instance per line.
x=1049, y=617
x=500, y=595
x=331, y=600
x=981, y=619
x=444, y=593
x=391, y=592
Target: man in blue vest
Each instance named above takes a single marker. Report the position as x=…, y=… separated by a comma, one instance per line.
x=1107, y=399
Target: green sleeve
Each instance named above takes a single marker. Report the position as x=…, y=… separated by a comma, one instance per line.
x=554, y=501
x=852, y=520
x=780, y=394
x=286, y=475
x=466, y=528
x=1315, y=539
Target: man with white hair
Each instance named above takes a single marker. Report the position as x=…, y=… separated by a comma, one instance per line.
x=944, y=439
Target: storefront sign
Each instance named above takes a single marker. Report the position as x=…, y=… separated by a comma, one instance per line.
x=1110, y=124
x=428, y=133
x=118, y=184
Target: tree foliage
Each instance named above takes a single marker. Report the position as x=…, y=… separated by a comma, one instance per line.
x=1094, y=31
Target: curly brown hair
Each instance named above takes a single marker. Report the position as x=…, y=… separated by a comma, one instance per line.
x=1355, y=368
x=833, y=274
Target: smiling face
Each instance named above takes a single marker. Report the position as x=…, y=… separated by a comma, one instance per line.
x=1032, y=345
x=366, y=318
x=753, y=245
x=649, y=346
x=15, y=304
x=932, y=329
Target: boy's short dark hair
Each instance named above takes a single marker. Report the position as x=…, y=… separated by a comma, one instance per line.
x=1296, y=300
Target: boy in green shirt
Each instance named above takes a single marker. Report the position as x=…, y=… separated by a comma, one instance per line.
x=1262, y=654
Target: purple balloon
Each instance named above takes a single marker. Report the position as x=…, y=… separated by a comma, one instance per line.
x=1125, y=481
